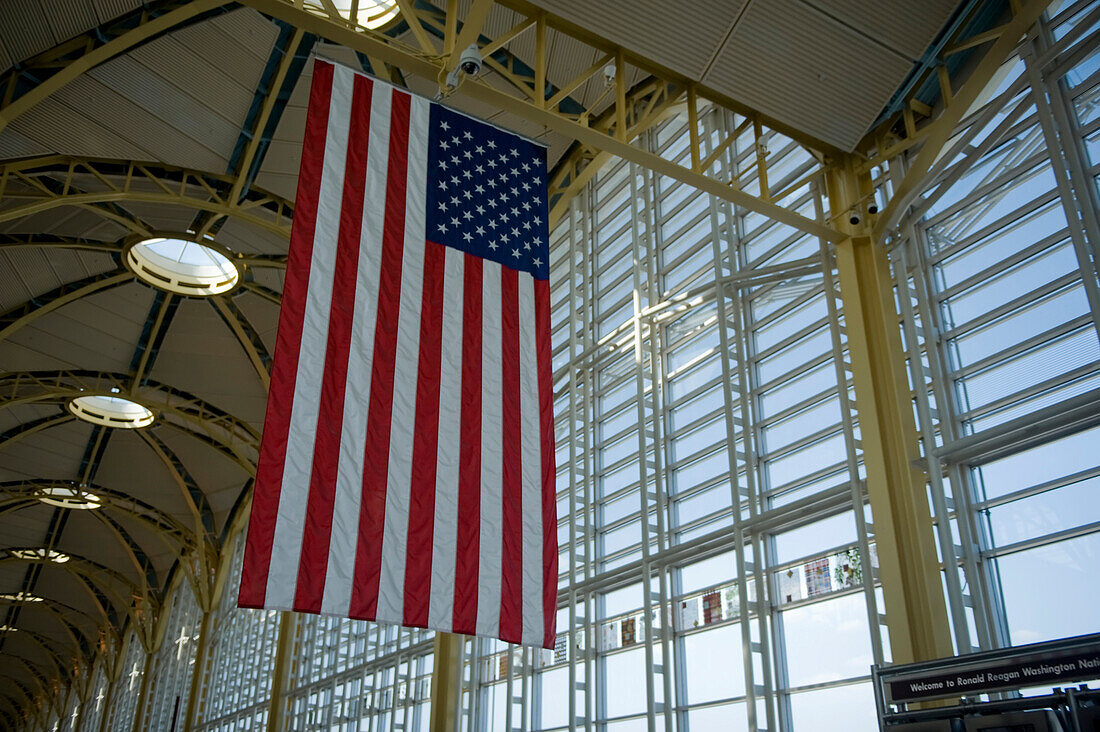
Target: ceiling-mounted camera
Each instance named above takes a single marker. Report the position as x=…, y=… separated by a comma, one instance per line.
x=470, y=60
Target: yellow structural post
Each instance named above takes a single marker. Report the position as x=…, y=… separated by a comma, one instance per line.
x=143, y=694
x=188, y=722
x=916, y=613
x=276, y=708
x=446, y=682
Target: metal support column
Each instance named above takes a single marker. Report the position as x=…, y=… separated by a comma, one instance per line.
x=446, y=682
x=143, y=694
x=197, y=674
x=276, y=712
x=916, y=613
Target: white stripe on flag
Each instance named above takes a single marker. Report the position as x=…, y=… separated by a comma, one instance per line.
x=282, y=578
x=391, y=586
x=530, y=445
x=489, y=554
x=445, y=536
x=349, y=478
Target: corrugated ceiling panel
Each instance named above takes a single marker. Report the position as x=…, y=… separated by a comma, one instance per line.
x=33, y=276
x=803, y=68
x=500, y=20
x=6, y=59
x=228, y=83
x=89, y=537
x=67, y=221
x=159, y=216
x=247, y=31
x=59, y=447
x=221, y=479
x=109, y=9
x=168, y=103
x=68, y=18
x=158, y=140
x=201, y=355
x=88, y=334
x=128, y=455
x=682, y=37
x=67, y=131
x=242, y=237
x=15, y=145
x=906, y=26
x=23, y=28
x=13, y=415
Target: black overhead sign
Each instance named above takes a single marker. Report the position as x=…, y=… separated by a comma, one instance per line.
x=1052, y=668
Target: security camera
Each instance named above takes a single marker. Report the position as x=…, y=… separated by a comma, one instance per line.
x=470, y=60
x=609, y=74
x=872, y=209
x=854, y=220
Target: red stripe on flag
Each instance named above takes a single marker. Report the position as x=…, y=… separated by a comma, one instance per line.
x=511, y=591
x=469, y=467
x=280, y=401
x=549, y=493
x=372, y=512
x=418, y=544
x=313, y=560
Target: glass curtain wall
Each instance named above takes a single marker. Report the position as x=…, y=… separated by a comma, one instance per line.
x=712, y=566
x=91, y=712
x=353, y=675
x=127, y=689
x=998, y=260
x=174, y=663
x=240, y=660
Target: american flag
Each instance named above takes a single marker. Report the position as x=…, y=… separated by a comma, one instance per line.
x=406, y=473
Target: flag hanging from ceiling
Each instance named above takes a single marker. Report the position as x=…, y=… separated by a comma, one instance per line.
x=406, y=473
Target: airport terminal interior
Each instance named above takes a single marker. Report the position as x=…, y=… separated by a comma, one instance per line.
x=825, y=340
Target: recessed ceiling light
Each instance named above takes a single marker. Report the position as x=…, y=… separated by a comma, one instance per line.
x=111, y=411
x=68, y=496
x=20, y=596
x=40, y=554
x=371, y=13
x=8, y=629
x=182, y=266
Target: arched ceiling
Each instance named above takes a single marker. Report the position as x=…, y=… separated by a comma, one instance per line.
x=120, y=120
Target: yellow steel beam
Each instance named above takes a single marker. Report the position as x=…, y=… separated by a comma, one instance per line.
x=377, y=45
x=265, y=113
x=120, y=181
x=238, y=329
x=106, y=52
x=24, y=315
x=916, y=613
x=446, y=682
x=143, y=695
x=409, y=14
x=472, y=23
x=938, y=133
x=158, y=323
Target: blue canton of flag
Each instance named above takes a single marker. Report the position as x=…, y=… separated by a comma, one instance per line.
x=487, y=192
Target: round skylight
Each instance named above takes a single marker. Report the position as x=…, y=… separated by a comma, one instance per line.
x=68, y=496
x=111, y=411
x=371, y=13
x=182, y=266
x=20, y=596
x=40, y=554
